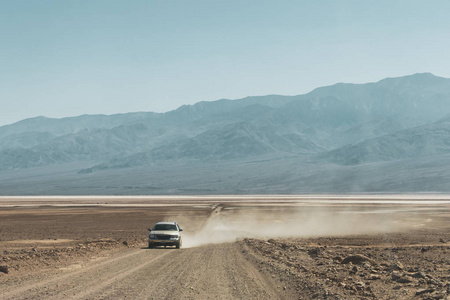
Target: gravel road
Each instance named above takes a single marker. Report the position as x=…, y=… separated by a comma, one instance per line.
x=210, y=272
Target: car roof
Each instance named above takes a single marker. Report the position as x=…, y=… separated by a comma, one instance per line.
x=166, y=223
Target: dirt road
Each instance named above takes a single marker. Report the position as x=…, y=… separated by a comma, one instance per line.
x=209, y=272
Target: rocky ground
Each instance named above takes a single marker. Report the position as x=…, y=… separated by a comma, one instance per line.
x=24, y=259
x=390, y=266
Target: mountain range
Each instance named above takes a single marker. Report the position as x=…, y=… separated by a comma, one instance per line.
x=382, y=137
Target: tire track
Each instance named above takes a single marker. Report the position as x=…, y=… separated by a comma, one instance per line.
x=110, y=281
x=145, y=280
x=219, y=271
x=57, y=282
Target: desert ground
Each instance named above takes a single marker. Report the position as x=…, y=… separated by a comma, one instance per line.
x=234, y=247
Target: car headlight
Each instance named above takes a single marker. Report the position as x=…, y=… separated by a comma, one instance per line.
x=174, y=236
x=152, y=236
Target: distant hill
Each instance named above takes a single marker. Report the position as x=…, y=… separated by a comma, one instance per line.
x=341, y=127
x=424, y=141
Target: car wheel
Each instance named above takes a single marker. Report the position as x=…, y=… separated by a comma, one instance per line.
x=150, y=246
x=178, y=245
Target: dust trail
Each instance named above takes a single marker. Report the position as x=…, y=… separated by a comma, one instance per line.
x=227, y=224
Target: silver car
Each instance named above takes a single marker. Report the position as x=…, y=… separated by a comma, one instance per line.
x=165, y=234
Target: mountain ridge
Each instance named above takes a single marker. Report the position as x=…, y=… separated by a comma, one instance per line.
x=348, y=125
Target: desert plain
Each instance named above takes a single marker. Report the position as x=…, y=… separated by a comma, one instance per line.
x=234, y=247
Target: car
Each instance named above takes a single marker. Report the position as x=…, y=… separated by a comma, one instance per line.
x=165, y=234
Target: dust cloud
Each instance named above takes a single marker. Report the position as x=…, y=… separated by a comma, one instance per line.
x=228, y=224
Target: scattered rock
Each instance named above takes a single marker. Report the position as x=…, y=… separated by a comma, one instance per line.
x=125, y=243
x=314, y=252
x=419, y=275
x=405, y=279
x=396, y=275
x=374, y=277
x=434, y=281
x=385, y=265
x=360, y=285
x=443, y=241
x=337, y=258
x=357, y=259
x=400, y=278
x=437, y=295
x=424, y=291
x=366, y=265
x=398, y=266
x=4, y=269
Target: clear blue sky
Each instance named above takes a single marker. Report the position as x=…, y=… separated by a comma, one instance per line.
x=66, y=58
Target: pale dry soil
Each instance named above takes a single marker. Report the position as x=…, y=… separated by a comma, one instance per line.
x=214, y=271
x=99, y=252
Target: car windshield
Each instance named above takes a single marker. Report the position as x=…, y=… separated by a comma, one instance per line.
x=165, y=227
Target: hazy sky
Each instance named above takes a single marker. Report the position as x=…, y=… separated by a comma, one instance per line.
x=66, y=58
